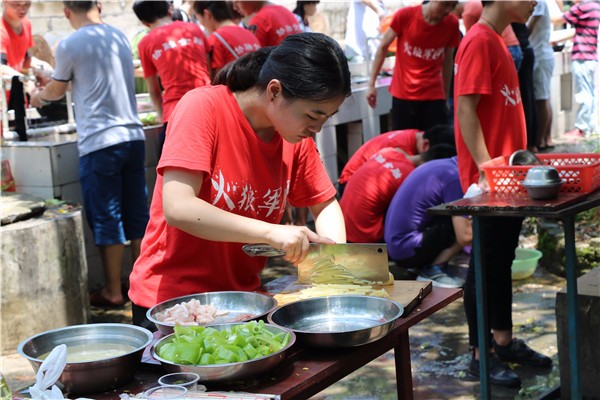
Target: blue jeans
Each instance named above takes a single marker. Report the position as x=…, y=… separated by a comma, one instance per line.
x=583, y=73
x=114, y=192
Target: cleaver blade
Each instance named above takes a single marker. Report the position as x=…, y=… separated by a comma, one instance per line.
x=365, y=261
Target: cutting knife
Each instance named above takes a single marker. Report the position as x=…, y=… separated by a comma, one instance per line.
x=367, y=261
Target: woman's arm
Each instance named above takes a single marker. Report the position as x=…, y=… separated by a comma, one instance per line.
x=185, y=211
x=382, y=50
x=155, y=93
x=329, y=220
x=463, y=230
x=470, y=127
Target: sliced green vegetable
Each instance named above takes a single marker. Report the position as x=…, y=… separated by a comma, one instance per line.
x=198, y=345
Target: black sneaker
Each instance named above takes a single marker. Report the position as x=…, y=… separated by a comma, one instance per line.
x=517, y=351
x=439, y=277
x=500, y=373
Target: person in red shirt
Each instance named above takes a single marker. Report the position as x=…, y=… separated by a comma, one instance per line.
x=173, y=55
x=472, y=13
x=235, y=153
x=271, y=23
x=411, y=141
x=490, y=123
x=371, y=188
x=227, y=41
x=427, y=36
x=15, y=41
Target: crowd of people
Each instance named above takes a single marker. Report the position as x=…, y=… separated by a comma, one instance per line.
x=243, y=87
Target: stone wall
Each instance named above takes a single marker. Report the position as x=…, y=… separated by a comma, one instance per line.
x=43, y=279
x=48, y=19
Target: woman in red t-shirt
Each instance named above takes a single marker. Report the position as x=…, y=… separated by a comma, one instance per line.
x=234, y=154
x=426, y=35
x=489, y=123
x=227, y=41
x=271, y=23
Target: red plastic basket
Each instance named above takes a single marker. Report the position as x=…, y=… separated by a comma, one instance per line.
x=580, y=171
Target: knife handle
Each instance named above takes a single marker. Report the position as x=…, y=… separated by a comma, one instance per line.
x=262, y=250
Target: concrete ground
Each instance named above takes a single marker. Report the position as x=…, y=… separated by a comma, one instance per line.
x=439, y=351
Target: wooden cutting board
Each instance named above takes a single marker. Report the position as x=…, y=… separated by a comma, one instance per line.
x=407, y=293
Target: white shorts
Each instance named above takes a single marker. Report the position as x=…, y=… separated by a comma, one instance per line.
x=542, y=75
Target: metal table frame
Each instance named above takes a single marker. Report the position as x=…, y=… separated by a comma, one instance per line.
x=565, y=208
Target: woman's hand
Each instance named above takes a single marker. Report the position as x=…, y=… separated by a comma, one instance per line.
x=372, y=96
x=295, y=241
x=483, y=183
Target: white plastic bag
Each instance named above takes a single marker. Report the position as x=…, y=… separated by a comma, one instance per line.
x=472, y=191
x=48, y=374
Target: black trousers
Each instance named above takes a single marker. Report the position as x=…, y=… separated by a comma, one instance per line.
x=139, y=318
x=411, y=114
x=527, y=95
x=499, y=239
x=17, y=102
x=437, y=236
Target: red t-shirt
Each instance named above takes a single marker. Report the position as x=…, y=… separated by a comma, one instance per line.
x=272, y=23
x=15, y=46
x=208, y=132
x=471, y=14
x=177, y=54
x=241, y=40
x=405, y=139
x=420, y=55
x=484, y=66
x=369, y=192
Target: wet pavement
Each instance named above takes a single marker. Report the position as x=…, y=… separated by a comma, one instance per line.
x=439, y=350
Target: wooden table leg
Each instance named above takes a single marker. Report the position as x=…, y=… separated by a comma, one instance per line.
x=403, y=371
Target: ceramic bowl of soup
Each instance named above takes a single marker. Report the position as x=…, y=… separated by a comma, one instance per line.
x=100, y=357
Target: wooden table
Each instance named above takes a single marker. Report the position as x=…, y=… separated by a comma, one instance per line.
x=308, y=371
x=563, y=207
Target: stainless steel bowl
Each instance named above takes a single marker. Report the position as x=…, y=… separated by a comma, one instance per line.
x=524, y=157
x=239, y=306
x=543, y=192
x=338, y=321
x=545, y=175
x=542, y=183
x=228, y=372
x=91, y=376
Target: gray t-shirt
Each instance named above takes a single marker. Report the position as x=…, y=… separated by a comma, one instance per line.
x=539, y=37
x=97, y=60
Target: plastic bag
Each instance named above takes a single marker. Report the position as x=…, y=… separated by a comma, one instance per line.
x=48, y=374
x=472, y=191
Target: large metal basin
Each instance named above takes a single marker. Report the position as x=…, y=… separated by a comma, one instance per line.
x=91, y=376
x=338, y=321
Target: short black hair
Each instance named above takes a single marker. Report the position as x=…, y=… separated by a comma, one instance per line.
x=310, y=66
x=80, y=6
x=438, y=151
x=150, y=11
x=220, y=10
x=439, y=134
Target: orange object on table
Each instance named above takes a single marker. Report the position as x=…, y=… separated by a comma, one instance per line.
x=385, y=24
x=580, y=171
